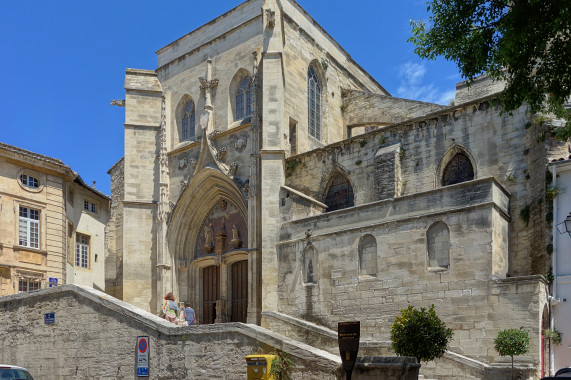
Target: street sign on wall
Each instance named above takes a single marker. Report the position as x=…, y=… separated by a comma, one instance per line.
x=49, y=318
x=142, y=356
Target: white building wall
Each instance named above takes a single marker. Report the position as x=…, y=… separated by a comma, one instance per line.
x=561, y=311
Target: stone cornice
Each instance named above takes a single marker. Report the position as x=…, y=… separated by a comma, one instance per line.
x=354, y=219
x=25, y=156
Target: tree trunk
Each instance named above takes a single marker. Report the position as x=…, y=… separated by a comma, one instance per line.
x=512, y=367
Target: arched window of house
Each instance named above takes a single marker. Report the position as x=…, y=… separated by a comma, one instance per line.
x=438, y=242
x=244, y=98
x=187, y=121
x=310, y=265
x=368, y=256
x=339, y=193
x=458, y=169
x=314, y=103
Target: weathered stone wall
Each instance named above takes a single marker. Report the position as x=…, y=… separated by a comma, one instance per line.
x=94, y=336
x=364, y=108
x=403, y=275
x=481, y=87
x=114, y=233
x=498, y=145
x=141, y=173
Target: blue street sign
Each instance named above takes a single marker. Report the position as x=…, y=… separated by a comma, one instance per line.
x=49, y=318
x=142, y=356
x=142, y=371
x=53, y=280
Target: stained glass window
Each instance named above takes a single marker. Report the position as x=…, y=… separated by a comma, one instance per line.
x=459, y=169
x=187, y=132
x=314, y=103
x=339, y=194
x=244, y=98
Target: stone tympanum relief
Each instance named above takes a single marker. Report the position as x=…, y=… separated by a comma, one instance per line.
x=222, y=231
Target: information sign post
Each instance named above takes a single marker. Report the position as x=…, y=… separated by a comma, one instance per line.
x=348, y=334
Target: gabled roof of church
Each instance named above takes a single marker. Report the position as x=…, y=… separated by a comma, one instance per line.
x=240, y=15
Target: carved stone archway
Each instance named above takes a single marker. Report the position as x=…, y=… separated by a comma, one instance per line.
x=208, y=229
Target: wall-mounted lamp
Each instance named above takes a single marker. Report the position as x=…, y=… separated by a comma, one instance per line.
x=565, y=226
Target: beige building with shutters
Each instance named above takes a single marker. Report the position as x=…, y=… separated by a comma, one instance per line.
x=267, y=178
x=51, y=224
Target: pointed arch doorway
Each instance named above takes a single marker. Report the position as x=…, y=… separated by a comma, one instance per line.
x=209, y=232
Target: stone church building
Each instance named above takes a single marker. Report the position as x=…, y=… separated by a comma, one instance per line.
x=268, y=179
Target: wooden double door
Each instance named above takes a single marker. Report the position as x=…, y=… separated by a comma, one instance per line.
x=238, y=292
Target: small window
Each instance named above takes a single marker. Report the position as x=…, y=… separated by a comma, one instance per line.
x=314, y=103
x=187, y=118
x=90, y=206
x=339, y=193
x=81, y=250
x=27, y=285
x=438, y=241
x=29, y=181
x=244, y=98
x=29, y=228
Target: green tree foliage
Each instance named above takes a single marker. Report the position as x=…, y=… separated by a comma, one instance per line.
x=420, y=333
x=512, y=342
x=527, y=43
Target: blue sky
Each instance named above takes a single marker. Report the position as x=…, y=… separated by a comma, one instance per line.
x=64, y=61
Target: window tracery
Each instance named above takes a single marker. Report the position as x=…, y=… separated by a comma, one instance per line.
x=458, y=169
x=339, y=194
x=314, y=103
x=244, y=98
x=187, y=121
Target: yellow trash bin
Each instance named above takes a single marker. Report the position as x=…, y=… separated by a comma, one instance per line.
x=259, y=366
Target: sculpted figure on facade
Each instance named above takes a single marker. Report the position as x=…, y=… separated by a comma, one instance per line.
x=235, y=242
x=208, y=238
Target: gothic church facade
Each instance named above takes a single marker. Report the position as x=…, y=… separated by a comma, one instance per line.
x=268, y=179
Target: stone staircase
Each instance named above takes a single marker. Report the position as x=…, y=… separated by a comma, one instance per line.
x=451, y=366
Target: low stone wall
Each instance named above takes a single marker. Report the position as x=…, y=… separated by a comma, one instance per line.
x=94, y=336
x=451, y=366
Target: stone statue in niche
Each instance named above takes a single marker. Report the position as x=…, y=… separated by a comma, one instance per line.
x=235, y=242
x=223, y=205
x=182, y=162
x=208, y=238
x=310, y=271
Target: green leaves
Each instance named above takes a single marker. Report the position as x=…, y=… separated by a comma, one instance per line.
x=420, y=333
x=512, y=342
x=527, y=44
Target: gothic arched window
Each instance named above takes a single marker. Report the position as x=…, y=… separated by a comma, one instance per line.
x=310, y=265
x=339, y=194
x=314, y=103
x=438, y=244
x=458, y=169
x=187, y=119
x=244, y=98
x=368, y=256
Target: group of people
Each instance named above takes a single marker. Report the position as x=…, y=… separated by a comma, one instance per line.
x=171, y=312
